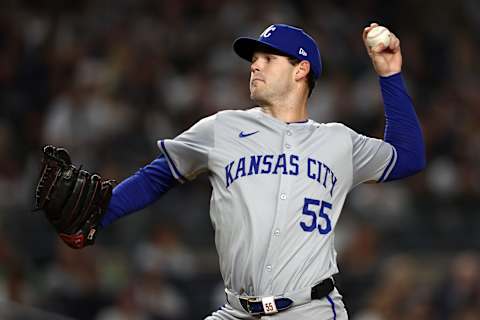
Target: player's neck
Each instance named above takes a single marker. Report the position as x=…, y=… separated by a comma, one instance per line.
x=286, y=110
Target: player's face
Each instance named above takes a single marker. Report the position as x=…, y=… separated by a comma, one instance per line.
x=271, y=77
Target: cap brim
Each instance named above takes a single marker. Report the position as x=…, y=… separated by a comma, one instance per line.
x=246, y=47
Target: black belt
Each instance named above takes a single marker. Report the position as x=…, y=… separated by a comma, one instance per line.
x=255, y=307
x=322, y=289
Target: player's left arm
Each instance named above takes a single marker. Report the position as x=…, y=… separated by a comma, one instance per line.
x=139, y=190
x=402, y=127
x=182, y=159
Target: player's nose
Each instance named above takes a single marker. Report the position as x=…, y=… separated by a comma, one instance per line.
x=255, y=66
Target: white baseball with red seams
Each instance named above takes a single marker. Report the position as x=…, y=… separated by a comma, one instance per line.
x=378, y=35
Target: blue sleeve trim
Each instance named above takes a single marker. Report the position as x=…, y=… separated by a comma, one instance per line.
x=402, y=129
x=139, y=190
x=179, y=175
x=387, y=170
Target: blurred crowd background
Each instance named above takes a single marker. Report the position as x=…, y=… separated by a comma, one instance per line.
x=107, y=79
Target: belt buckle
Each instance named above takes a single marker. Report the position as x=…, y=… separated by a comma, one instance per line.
x=252, y=300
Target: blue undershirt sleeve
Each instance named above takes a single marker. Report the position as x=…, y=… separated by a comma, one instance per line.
x=402, y=128
x=139, y=190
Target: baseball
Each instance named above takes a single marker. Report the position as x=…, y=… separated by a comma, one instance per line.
x=378, y=35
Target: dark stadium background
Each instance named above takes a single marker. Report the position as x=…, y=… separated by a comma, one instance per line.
x=107, y=79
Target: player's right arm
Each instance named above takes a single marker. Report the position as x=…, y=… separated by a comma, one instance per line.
x=402, y=151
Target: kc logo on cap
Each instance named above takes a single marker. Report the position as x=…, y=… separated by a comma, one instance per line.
x=286, y=40
x=268, y=32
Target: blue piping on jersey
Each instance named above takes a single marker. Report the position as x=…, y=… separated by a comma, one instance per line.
x=303, y=121
x=333, y=307
x=387, y=170
x=179, y=175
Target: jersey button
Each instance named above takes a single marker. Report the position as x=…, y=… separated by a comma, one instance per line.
x=289, y=132
x=276, y=233
x=269, y=268
x=283, y=196
x=288, y=146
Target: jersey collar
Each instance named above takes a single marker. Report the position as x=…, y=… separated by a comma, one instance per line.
x=297, y=124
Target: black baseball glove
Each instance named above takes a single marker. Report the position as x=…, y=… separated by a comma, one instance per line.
x=73, y=200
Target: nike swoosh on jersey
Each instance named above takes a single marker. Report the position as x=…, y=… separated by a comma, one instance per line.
x=243, y=134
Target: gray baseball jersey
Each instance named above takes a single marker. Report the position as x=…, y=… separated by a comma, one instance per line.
x=278, y=190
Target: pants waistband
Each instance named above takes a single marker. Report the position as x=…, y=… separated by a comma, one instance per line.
x=256, y=305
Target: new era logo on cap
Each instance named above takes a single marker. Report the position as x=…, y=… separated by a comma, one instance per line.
x=291, y=41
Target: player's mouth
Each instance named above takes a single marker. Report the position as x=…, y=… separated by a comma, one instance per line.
x=256, y=80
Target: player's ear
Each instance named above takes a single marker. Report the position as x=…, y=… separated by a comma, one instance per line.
x=303, y=68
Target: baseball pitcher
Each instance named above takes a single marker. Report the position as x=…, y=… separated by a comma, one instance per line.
x=279, y=179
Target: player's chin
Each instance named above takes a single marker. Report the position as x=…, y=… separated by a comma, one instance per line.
x=255, y=93
x=254, y=96
x=259, y=100
x=252, y=93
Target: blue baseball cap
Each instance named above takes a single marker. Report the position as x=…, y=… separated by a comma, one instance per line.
x=291, y=41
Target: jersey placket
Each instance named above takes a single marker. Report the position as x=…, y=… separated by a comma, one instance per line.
x=283, y=198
